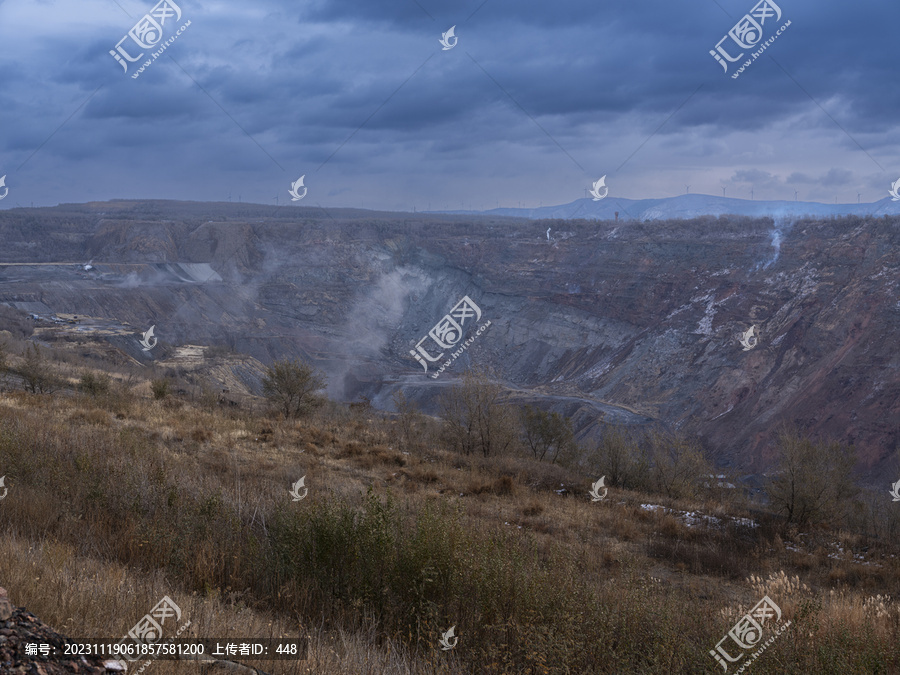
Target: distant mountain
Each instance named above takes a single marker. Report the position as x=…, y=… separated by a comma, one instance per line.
x=691, y=206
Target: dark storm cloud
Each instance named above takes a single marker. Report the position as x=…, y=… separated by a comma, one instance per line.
x=535, y=94
x=836, y=177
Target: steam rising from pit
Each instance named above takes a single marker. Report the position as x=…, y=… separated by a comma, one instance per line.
x=374, y=318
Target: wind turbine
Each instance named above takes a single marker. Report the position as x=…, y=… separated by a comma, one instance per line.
x=723, y=190
x=795, y=195
x=687, y=189
x=751, y=193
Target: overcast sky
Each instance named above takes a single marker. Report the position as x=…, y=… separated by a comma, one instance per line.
x=534, y=102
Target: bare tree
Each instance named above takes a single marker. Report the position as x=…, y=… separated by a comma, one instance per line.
x=813, y=481
x=621, y=459
x=408, y=417
x=292, y=387
x=4, y=364
x=547, y=432
x=35, y=372
x=678, y=467
x=477, y=416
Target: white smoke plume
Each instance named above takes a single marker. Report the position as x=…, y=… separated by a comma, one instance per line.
x=781, y=224
x=374, y=318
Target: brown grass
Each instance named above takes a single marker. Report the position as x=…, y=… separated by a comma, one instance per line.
x=105, y=515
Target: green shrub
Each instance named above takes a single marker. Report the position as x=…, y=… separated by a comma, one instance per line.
x=94, y=384
x=292, y=386
x=160, y=388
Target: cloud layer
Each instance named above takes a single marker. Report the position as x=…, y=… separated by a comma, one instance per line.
x=535, y=102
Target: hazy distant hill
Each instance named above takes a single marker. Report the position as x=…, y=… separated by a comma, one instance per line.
x=692, y=206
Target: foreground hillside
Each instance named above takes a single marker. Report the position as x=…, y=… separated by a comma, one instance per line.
x=621, y=321
x=117, y=500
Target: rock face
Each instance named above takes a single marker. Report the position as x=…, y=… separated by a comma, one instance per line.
x=625, y=322
x=19, y=628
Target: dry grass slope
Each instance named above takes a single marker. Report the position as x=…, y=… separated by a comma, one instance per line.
x=117, y=500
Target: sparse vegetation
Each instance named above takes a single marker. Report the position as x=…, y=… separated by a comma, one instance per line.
x=408, y=417
x=391, y=546
x=15, y=322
